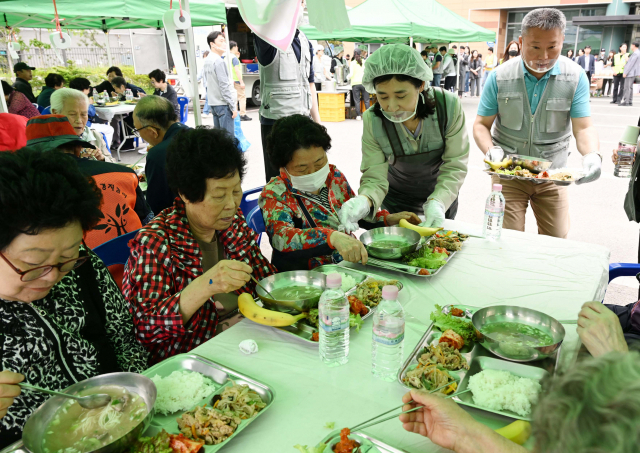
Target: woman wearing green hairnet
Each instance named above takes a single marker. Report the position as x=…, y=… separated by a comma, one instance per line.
x=415, y=146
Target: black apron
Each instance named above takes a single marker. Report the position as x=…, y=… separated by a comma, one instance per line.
x=413, y=178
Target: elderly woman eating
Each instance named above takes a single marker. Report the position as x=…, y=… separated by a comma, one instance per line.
x=185, y=263
x=74, y=105
x=301, y=206
x=62, y=317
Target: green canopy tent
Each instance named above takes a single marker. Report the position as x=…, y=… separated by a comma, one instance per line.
x=107, y=15
x=396, y=21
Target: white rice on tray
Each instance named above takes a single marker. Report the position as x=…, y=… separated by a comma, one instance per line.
x=348, y=281
x=501, y=390
x=181, y=390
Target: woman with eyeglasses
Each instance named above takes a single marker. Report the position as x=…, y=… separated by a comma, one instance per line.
x=62, y=317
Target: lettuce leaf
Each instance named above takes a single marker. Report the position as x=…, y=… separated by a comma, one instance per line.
x=317, y=449
x=445, y=322
x=426, y=258
x=355, y=321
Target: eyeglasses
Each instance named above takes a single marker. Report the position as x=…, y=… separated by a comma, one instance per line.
x=41, y=271
x=136, y=132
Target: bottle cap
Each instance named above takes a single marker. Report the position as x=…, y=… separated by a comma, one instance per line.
x=390, y=292
x=497, y=187
x=630, y=135
x=334, y=280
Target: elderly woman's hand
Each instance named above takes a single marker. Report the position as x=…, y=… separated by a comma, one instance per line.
x=8, y=389
x=227, y=276
x=89, y=153
x=441, y=420
x=350, y=248
x=600, y=330
x=394, y=219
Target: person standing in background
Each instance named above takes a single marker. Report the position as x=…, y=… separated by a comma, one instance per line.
x=588, y=63
x=449, y=70
x=23, y=76
x=221, y=96
x=281, y=73
x=631, y=70
x=338, y=60
x=238, y=83
x=619, y=61
x=357, y=89
x=207, y=108
x=463, y=72
x=438, y=66
x=608, y=70
x=489, y=64
x=513, y=50
x=320, y=73
x=570, y=55
x=475, y=68
x=425, y=56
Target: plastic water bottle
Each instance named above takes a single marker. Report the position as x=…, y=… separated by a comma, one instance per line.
x=388, y=335
x=333, y=317
x=129, y=95
x=626, y=158
x=494, y=214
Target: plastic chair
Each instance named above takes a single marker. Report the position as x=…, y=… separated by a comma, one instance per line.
x=183, y=102
x=40, y=109
x=623, y=270
x=105, y=141
x=114, y=254
x=250, y=199
x=256, y=222
x=46, y=111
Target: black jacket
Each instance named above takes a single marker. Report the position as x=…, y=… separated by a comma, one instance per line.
x=24, y=87
x=135, y=89
x=106, y=85
x=159, y=195
x=171, y=96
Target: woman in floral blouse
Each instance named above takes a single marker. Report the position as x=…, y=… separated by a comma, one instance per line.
x=62, y=317
x=17, y=103
x=188, y=265
x=300, y=207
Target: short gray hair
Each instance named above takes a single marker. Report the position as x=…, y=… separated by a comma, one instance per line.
x=544, y=18
x=155, y=111
x=62, y=95
x=594, y=407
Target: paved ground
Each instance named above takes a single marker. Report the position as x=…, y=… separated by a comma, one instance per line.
x=597, y=214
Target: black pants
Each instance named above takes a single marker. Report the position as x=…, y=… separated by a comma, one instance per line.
x=318, y=86
x=450, y=83
x=606, y=83
x=358, y=91
x=589, y=77
x=269, y=170
x=618, y=86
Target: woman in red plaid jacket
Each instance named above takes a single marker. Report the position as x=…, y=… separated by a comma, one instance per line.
x=188, y=265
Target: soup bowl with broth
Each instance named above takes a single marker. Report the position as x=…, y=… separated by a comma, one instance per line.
x=60, y=423
x=292, y=291
x=390, y=243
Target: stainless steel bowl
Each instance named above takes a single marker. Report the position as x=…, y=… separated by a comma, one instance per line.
x=136, y=383
x=533, y=164
x=533, y=318
x=291, y=278
x=389, y=233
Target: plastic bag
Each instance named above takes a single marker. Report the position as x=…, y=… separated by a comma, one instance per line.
x=244, y=143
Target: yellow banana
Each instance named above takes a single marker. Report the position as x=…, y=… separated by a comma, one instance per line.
x=518, y=431
x=497, y=165
x=422, y=230
x=252, y=311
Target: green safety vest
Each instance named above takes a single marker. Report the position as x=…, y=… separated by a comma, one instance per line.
x=618, y=63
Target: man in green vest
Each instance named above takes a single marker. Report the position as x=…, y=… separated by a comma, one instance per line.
x=619, y=60
x=537, y=101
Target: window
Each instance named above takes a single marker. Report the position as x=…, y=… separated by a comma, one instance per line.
x=592, y=12
x=590, y=36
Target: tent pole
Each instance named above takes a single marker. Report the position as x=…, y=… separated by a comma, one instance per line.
x=3, y=104
x=193, y=69
x=106, y=33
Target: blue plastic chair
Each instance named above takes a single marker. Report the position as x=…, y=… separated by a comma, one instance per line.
x=40, y=108
x=256, y=222
x=105, y=141
x=623, y=270
x=250, y=199
x=183, y=102
x=114, y=254
x=46, y=111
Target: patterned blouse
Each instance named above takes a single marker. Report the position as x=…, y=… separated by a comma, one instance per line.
x=48, y=340
x=20, y=105
x=165, y=258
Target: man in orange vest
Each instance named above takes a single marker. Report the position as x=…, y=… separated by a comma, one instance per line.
x=124, y=207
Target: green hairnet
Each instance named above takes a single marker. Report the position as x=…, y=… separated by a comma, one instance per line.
x=363, y=47
x=338, y=49
x=395, y=59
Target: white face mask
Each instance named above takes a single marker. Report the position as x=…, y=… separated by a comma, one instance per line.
x=538, y=66
x=312, y=182
x=401, y=115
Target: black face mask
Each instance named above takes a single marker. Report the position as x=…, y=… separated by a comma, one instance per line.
x=513, y=53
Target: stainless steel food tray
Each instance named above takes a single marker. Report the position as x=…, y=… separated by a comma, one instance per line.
x=221, y=376
x=535, y=180
x=305, y=331
x=478, y=359
x=378, y=445
x=402, y=267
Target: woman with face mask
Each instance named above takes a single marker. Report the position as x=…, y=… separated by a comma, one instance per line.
x=415, y=147
x=301, y=207
x=513, y=50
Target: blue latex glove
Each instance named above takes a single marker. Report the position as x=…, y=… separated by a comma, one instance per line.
x=433, y=214
x=592, y=167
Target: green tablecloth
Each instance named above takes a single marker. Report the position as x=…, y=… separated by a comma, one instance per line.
x=552, y=275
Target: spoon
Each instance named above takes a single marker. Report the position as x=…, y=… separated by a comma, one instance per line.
x=88, y=402
x=263, y=288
